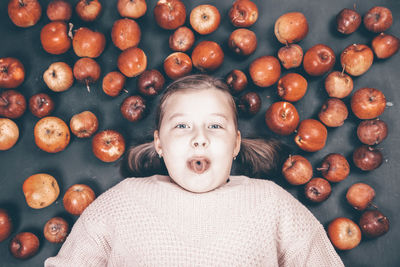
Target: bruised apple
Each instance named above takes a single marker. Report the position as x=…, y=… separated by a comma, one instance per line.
x=12, y=104
x=236, y=80
x=360, y=195
x=182, y=39
x=291, y=27
x=56, y=230
x=378, y=19
x=58, y=77
x=12, y=72
x=51, y=134
x=24, y=13
x=41, y=105
x=133, y=108
x=243, y=42
x=170, y=14
x=9, y=134
x=344, y=233
x=59, y=10
x=77, y=198
x=88, y=10
x=317, y=190
x=333, y=112
x=40, y=190
x=356, y=59
x=84, y=124
x=385, y=45
x=132, y=8
x=290, y=56
x=108, y=145
x=372, y=132
x=243, y=13
x=297, y=170
x=338, y=84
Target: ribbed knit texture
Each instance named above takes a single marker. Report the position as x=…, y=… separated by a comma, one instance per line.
x=154, y=222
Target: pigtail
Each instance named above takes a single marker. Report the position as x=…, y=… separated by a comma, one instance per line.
x=143, y=161
x=260, y=158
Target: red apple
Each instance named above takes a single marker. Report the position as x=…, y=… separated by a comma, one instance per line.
x=356, y=59
x=84, y=124
x=41, y=105
x=125, y=33
x=132, y=8
x=378, y=19
x=88, y=10
x=243, y=13
x=59, y=77
x=9, y=134
x=88, y=43
x=86, y=71
x=243, y=42
x=56, y=230
x=182, y=39
x=24, y=245
x=367, y=158
x=292, y=87
x=291, y=27
x=6, y=225
x=317, y=190
x=297, y=170
x=237, y=81
x=54, y=38
x=311, y=135
x=12, y=104
x=12, y=72
x=338, y=84
x=150, y=82
x=24, y=13
x=333, y=112
x=132, y=62
x=265, y=71
x=372, y=132
x=373, y=223
x=249, y=103
x=113, y=83
x=319, y=60
x=108, y=145
x=335, y=167
x=77, y=198
x=347, y=21
x=368, y=103
x=59, y=10
x=344, y=233
x=177, y=65
x=170, y=14
x=133, y=108
x=290, y=56
x=207, y=56
x=282, y=118
x=205, y=19
x=360, y=195
x=385, y=45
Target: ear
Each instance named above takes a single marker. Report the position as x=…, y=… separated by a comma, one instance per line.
x=157, y=143
x=237, y=145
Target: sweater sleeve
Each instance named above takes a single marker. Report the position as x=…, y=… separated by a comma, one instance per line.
x=85, y=246
x=302, y=240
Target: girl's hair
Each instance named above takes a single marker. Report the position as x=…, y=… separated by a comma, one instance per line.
x=257, y=157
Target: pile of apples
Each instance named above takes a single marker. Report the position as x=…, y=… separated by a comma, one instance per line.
x=52, y=134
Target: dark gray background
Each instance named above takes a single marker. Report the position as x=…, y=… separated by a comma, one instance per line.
x=77, y=164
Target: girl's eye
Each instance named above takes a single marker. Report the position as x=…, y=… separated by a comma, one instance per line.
x=215, y=126
x=182, y=126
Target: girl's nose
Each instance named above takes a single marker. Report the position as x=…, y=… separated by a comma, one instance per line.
x=200, y=139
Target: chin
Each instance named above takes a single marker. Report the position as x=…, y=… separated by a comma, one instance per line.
x=199, y=183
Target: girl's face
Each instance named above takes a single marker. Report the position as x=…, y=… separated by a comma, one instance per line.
x=198, y=138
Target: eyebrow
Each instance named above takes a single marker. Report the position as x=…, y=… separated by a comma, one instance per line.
x=182, y=114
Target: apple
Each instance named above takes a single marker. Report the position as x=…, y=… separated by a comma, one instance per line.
x=41, y=105
x=177, y=65
x=24, y=245
x=291, y=27
x=338, y=84
x=40, y=190
x=243, y=13
x=133, y=108
x=88, y=43
x=282, y=118
x=150, y=82
x=207, y=56
x=108, y=145
x=292, y=87
x=290, y=56
x=182, y=39
x=360, y=195
x=113, y=83
x=84, y=124
x=297, y=170
x=311, y=135
x=24, y=13
x=368, y=103
x=132, y=62
x=132, y=8
x=125, y=33
x=373, y=223
x=385, y=45
x=51, y=134
x=236, y=81
x=356, y=59
x=243, y=42
x=378, y=19
x=317, y=190
x=335, y=167
x=249, y=103
x=59, y=10
x=58, y=77
x=170, y=14
x=12, y=104
x=6, y=225
x=77, y=198
x=333, y=112
x=344, y=233
x=265, y=71
x=319, y=60
x=9, y=134
x=12, y=72
x=348, y=21
x=87, y=71
x=56, y=230
x=54, y=38
x=372, y=132
x=367, y=158
x=88, y=10
x=205, y=19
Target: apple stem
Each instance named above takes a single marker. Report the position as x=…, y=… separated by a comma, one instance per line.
x=70, y=30
x=21, y=3
x=322, y=169
x=87, y=85
x=344, y=66
x=373, y=205
x=287, y=44
x=126, y=91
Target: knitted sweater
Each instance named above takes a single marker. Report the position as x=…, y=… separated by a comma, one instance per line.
x=154, y=222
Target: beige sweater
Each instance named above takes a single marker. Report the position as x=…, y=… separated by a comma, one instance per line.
x=154, y=222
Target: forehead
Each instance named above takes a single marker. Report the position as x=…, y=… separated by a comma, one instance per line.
x=199, y=101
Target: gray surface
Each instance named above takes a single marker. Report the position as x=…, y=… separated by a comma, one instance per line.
x=77, y=164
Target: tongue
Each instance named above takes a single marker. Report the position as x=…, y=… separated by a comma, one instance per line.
x=198, y=166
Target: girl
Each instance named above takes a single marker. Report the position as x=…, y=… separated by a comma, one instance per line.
x=198, y=214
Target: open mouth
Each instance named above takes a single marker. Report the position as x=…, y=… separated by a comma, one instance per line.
x=199, y=165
